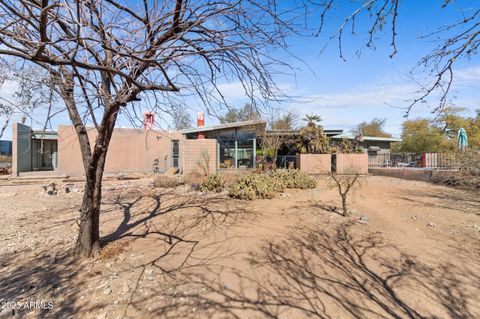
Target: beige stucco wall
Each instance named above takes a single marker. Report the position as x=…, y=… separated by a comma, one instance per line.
x=315, y=163
x=352, y=163
x=192, y=152
x=130, y=150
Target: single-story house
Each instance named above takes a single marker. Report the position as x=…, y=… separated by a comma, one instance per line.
x=231, y=146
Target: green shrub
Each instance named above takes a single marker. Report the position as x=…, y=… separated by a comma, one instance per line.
x=165, y=181
x=213, y=183
x=293, y=178
x=253, y=186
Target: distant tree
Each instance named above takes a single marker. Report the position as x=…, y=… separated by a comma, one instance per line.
x=275, y=135
x=450, y=120
x=246, y=113
x=287, y=121
x=421, y=135
x=372, y=128
x=31, y=90
x=181, y=119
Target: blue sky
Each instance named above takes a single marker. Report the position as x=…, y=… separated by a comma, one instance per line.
x=363, y=87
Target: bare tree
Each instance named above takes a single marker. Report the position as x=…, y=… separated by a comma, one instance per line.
x=344, y=184
x=457, y=40
x=277, y=132
x=29, y=90
x=104, y=55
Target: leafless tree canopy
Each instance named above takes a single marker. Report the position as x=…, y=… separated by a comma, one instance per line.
x=102, y=55
x=456, y=41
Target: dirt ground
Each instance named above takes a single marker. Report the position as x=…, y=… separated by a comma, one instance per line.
x=176, y=253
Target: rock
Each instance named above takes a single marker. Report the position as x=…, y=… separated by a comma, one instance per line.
x=194, y=187
x=432, y=225
x=101, y=316
x=413, y=217
x=126, y=288
x=363, y=220
x=6, y=313
x=50, y=189
x=107, y=291
x=476, y=227
x=51, y=260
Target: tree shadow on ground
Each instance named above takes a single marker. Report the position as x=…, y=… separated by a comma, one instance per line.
x=454, y=199
x=43, y=277
x=175, y=224
x=174, y=220
x=314, y=273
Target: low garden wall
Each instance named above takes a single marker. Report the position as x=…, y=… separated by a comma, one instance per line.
x=415, y=174
x=315, y=163
x=351, y=163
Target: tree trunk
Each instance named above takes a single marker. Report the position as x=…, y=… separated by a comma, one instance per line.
x=344, y=205
x=88, y=241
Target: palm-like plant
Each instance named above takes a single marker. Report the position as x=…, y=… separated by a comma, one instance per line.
x=312, y=119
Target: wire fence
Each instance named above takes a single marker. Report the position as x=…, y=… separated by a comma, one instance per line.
x=444, y=161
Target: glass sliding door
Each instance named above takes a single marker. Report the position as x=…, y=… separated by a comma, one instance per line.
x=226, y=154
x=245, y=152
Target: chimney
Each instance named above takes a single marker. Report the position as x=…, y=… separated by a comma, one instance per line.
x=201, y=123
x=148, y=120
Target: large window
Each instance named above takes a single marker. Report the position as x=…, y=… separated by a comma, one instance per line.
x=236, y=149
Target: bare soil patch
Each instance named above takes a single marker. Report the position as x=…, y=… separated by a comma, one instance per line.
x=409, y=250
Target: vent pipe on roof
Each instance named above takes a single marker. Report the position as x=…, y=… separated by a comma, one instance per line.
x=200, y=123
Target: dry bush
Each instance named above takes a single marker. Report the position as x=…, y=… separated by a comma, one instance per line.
x=468, y=174
x=112, y=250
x=194, y=179
x=5, y=159
x=165, y=181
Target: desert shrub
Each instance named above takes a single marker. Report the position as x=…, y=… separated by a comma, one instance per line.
x=164, y=181
x=467, y=176
x=213, y=183
x=253, y=186
x=5, y=159
x=293, y=178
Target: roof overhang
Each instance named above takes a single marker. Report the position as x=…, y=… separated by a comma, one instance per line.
x=367, y=138
x=244, y=124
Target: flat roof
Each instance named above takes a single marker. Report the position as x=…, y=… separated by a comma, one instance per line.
x=47, y=135
x=221, y=126
x=368, y=138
